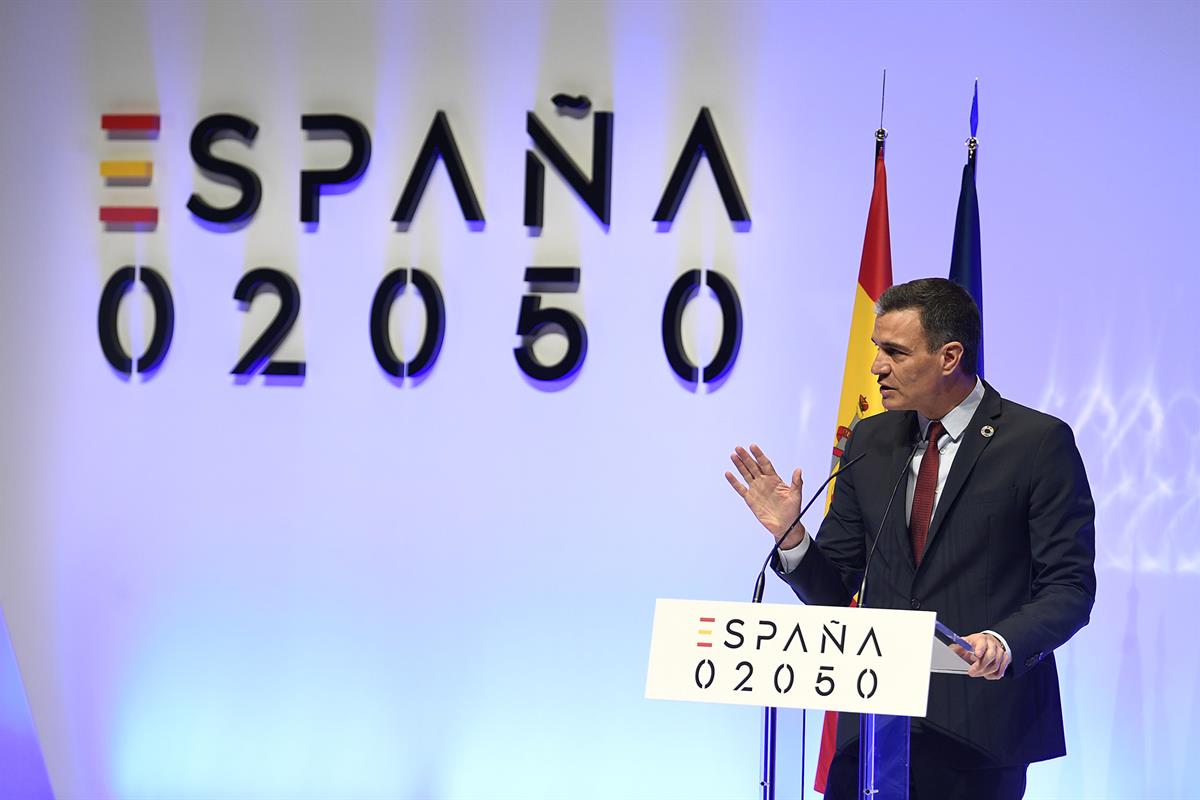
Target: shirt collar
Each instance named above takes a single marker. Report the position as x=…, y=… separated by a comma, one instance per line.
x=959, y=417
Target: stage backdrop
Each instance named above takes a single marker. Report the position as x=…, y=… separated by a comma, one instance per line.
x=440, y=585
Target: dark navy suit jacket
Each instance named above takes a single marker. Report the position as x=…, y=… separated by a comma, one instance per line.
x=1011, y=548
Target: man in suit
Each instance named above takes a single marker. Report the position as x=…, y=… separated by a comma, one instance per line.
x=983, y=514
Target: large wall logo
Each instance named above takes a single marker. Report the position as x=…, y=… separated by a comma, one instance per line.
x=593, y=189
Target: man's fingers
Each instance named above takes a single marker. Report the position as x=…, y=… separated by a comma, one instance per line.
x=764, y=463
x=1003, y=659
x=985, y=657
x=987, y=664
x=965, y=654
x=741, y=467
x=736, y=484
x=993, y=665
x=748, y=462
x=1002, y=667
x=797, y=479
x=981, y=657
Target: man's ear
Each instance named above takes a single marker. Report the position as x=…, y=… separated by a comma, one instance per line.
x=952, y=353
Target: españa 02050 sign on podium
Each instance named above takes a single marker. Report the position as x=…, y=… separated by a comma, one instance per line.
x=770, y=654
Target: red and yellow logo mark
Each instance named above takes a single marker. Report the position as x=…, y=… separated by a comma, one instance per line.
x=129, y=172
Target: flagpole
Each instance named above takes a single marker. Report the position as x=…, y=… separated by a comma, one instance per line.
x=867, y=721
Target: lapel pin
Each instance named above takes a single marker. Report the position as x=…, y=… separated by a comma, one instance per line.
x=987, y=431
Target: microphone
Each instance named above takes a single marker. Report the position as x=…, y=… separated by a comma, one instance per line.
x=761, y=583
x=862, y=586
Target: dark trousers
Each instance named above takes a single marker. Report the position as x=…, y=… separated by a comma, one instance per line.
x=939, y=769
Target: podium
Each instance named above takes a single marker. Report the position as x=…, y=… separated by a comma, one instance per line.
x=868, y=661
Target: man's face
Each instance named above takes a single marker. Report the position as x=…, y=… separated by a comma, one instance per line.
x=908, y=374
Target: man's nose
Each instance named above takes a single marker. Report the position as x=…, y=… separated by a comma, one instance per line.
x=879, y=366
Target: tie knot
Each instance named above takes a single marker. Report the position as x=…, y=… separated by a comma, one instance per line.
x=936, y=429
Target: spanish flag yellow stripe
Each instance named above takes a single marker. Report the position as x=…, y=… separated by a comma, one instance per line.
x=860, y=354
x=859, y=387
x=126, y=169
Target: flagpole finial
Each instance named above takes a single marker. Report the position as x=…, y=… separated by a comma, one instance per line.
x=882, y=98
x=975, y=110
x=973, y=142
x=881, y=132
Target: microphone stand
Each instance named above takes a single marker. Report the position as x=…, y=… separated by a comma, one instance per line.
x=770, y=713
x=867, y=727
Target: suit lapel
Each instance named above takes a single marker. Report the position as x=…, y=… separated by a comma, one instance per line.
x=972, y=446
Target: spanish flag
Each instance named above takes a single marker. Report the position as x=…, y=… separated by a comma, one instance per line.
x=860, y=391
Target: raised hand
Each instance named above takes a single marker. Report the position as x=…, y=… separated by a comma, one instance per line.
x=774, y=502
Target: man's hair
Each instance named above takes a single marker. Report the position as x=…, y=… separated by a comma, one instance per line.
x=947, y=311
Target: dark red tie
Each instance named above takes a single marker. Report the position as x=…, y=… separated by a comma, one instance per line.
x=923, y=497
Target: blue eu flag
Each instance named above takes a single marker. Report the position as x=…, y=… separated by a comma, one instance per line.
x=965, y=267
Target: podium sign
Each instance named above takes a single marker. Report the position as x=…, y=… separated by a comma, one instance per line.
x=866, y=660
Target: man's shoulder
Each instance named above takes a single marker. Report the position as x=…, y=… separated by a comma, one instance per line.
x=897, y=426
x=1030, y=420
x=885, y=423
x=886, y=428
